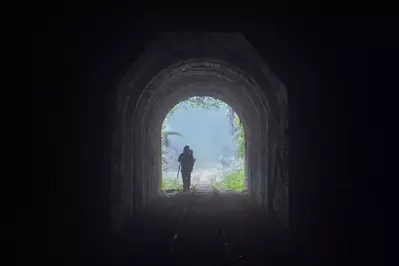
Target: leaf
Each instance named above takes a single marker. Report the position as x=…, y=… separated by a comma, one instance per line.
x=173, y=133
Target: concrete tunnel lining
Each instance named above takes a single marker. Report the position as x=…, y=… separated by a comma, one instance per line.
x=223, y=66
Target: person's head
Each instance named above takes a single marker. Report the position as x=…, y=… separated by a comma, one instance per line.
x=186, y=149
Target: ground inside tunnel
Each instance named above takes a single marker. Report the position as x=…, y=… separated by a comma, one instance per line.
x=205, y=227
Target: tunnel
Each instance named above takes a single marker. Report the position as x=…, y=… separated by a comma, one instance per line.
x=224, y=66
x=102, y=88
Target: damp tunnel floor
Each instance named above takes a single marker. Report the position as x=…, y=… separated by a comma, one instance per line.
x=205, y=227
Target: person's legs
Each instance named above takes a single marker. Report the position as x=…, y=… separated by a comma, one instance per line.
x=188, y=180
x=184, y=175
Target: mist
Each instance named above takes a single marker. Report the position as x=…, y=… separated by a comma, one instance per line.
x=207, y=132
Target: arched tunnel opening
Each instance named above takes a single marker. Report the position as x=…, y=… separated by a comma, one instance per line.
x=215, y=137
x=97, y=181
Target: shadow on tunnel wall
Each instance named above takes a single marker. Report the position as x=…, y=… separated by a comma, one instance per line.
x=322, y=63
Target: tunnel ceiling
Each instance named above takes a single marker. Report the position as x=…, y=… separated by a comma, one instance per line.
x=177, y=66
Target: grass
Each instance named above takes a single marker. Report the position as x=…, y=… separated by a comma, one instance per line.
x=233, y=181
x=171, y=184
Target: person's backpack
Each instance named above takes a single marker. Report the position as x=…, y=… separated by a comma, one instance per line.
x=191, y=153
x=187, y=160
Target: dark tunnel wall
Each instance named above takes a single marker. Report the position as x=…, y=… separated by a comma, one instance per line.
x=323, y=65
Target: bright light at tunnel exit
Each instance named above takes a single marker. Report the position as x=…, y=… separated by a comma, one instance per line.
x=216, y=137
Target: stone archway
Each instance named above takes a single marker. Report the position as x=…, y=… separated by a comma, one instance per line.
x=178, y=66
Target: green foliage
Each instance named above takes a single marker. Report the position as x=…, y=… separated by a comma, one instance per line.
x=172, y=111
x=166, y=134
x=234, y=181
x=204, y=102
x=240, y=138
x=171, y=184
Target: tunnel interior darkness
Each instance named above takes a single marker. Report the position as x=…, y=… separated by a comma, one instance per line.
x=174, y=68
x=82, y=113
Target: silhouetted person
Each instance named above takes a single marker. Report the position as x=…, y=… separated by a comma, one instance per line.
x=187, y=163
